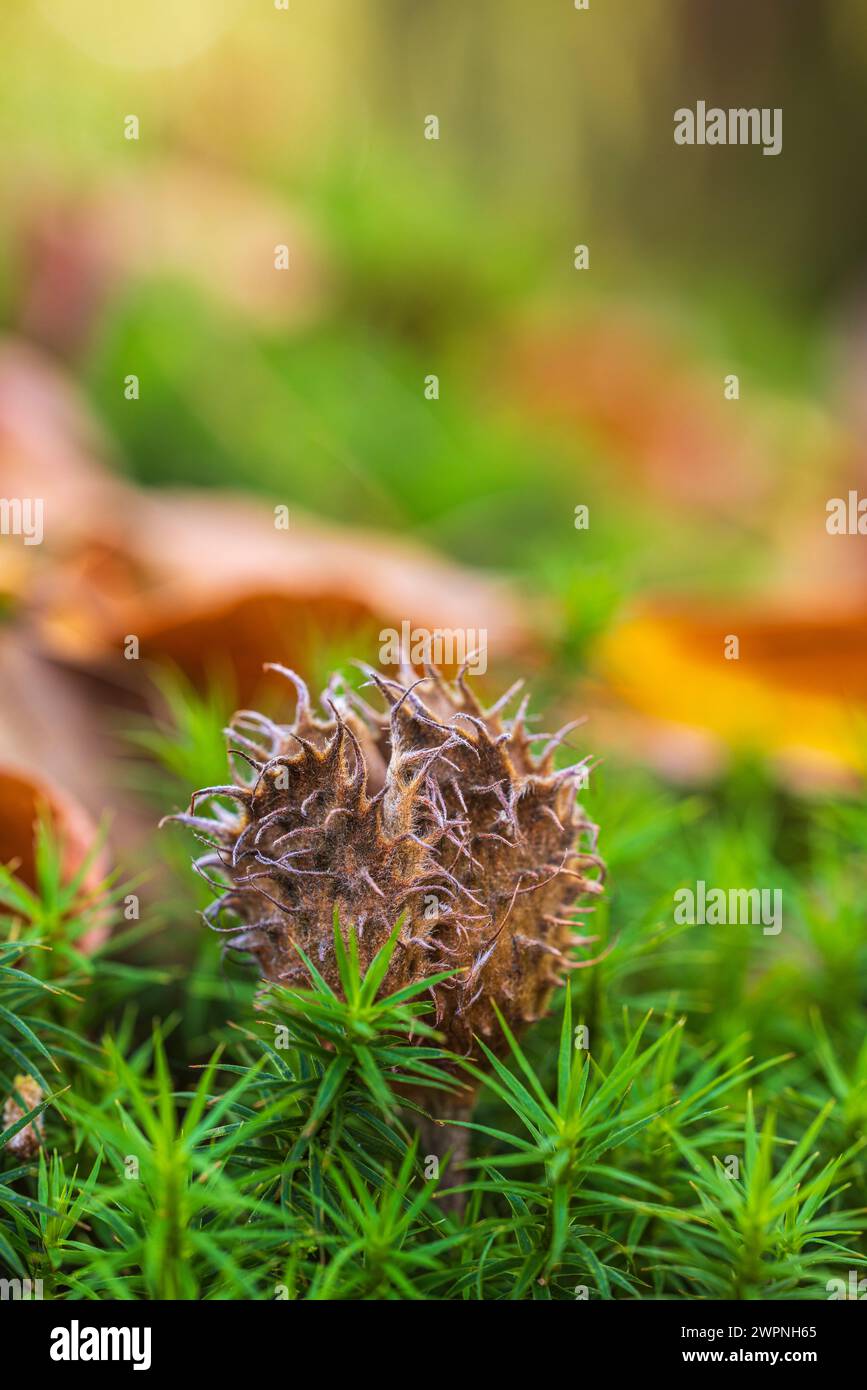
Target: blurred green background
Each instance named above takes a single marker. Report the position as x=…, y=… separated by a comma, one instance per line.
x=410, y=256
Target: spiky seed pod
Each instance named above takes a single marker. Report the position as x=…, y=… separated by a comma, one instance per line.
x=26, y=1143
x=436, y=812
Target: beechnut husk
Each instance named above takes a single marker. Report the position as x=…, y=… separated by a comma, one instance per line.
x=433, y=812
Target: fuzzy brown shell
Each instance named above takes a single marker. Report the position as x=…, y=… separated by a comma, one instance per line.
x=435, y=812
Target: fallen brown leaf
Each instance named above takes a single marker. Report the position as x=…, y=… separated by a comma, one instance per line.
x=205, y=581
x=797, y=693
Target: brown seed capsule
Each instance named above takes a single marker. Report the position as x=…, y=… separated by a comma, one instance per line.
x=435, y=812
x=26, y=1143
